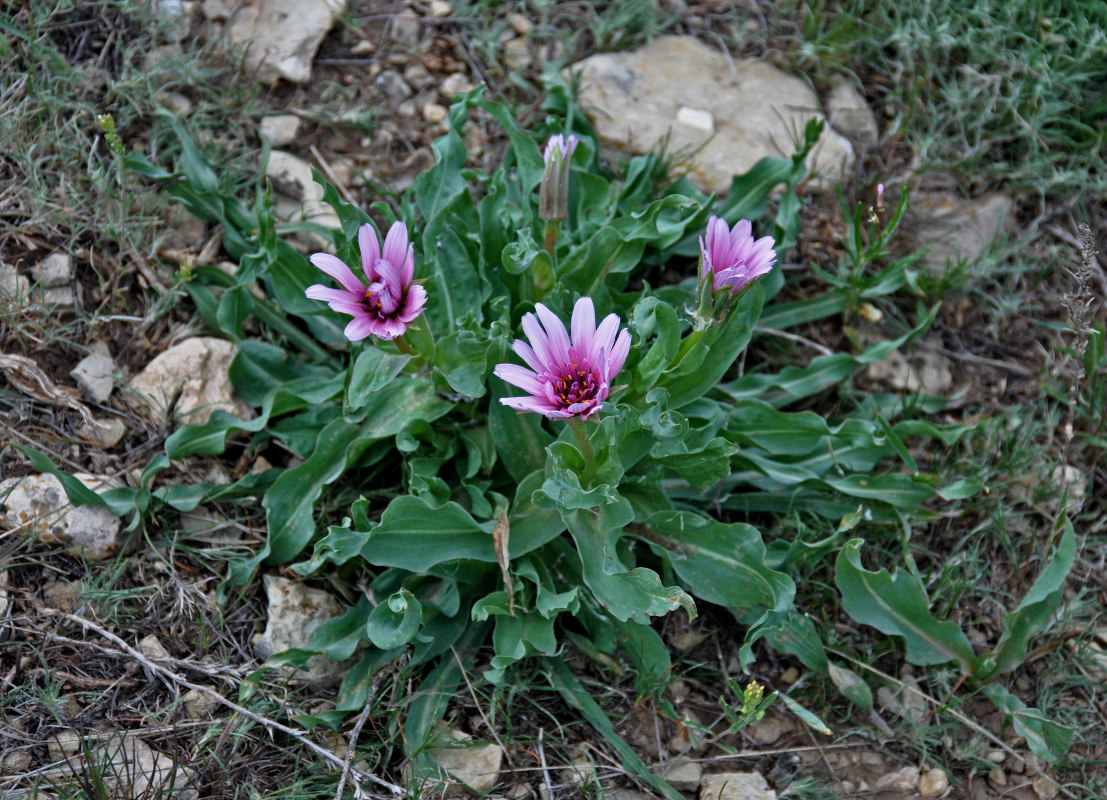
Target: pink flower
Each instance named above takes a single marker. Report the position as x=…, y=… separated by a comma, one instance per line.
x=569, y=376
x=732, y=257
x=390, y=302
x=566, y=144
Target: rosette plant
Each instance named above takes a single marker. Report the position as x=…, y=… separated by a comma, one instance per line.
x=471, y=524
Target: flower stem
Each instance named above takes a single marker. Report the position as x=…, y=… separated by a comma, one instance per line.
x=585, y=443
x=402, y=344
x=689, y=343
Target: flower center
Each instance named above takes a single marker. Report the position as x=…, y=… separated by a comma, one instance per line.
x=380, y=300
x=576, y=384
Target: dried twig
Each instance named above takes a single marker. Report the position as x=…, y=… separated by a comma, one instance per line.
x=156, y=667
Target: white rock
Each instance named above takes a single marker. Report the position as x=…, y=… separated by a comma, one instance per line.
x=682, y=773
x=13, y=286
x=848, y=112
x=924, y=371
x=62, y=595
x=696, y=118
x=279, y=129
x=477, y=765
x=5, y=598
x=197, y=368
x=108, y=432
x=435, y=113
x=1077, y=484
x=933, y=782
x=54, y=270
x=904, y=779
x=60, y=296
x=735, y=786
x=440, y=8
x=151, y=647
x=218, y=10
x=455, y=84
x=960, y=230
x=517, y=54
x=633, y=99
x=770, y=729
x=95, y=374
x=128, y=766
x=178, y=15
x=292, y=175
x=295, y=611
x=38, y=504
x=283, y=35
x=1045, y=787
x=174, y=102
x=520, y=24
x=199, y=705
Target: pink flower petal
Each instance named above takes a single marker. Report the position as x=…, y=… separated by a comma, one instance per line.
x=521, y=377
x=538, y=340
x=413, y=304
x=618, y=355
x=524, y=351
x=359, y=328
x=407, y=271
x=558, y=336
x=529, y=403
x=395, y=245
x=604, y=338
x=370, y=250
x=339, y=271
x=583, y=325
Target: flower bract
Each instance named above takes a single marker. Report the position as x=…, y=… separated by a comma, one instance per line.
x=570, y=373
x=732, y=258
x=390, y=301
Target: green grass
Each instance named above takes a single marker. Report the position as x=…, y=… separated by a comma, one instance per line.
x=1001, y=92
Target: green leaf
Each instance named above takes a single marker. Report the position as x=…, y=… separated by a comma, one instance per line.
x=897, y=606
x=715, y=353
x=571, y=690
x=705, y=467
x=1037, y=608
x=1046, y=739
x=519, y=436
x=394, y=622
x=373, y=370
x=797, y=635
x=806, y=717
x=850, y=684
x=289, y=501
x=415, y=535
x=626, y=594
x=339, y=637
x=722, y=563
x=77, y=492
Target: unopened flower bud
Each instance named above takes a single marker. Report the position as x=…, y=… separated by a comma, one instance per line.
x=553, y=193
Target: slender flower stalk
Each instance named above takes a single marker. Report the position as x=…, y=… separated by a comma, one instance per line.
x=390, y=302
x=570, y=374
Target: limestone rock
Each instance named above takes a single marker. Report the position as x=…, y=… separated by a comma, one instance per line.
x=279, y=129
x=475, y=765
x=108, y=432
x=94, y=374
x=925, y=371
x=199, y=705
x=682, y=773
x=62, y=595
x=295, y=611
x=933, y=782
x=847, y=111
x=633, y=100
x=38, y=503
x=13, y=286
x=905, y=780
x=151, y=647
x=770, y=729
x=53, y=271
x=960, y=230
x=299, y=196
x=283, y=35
x=197, y=368
x=735, y=786
x=128, y=766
